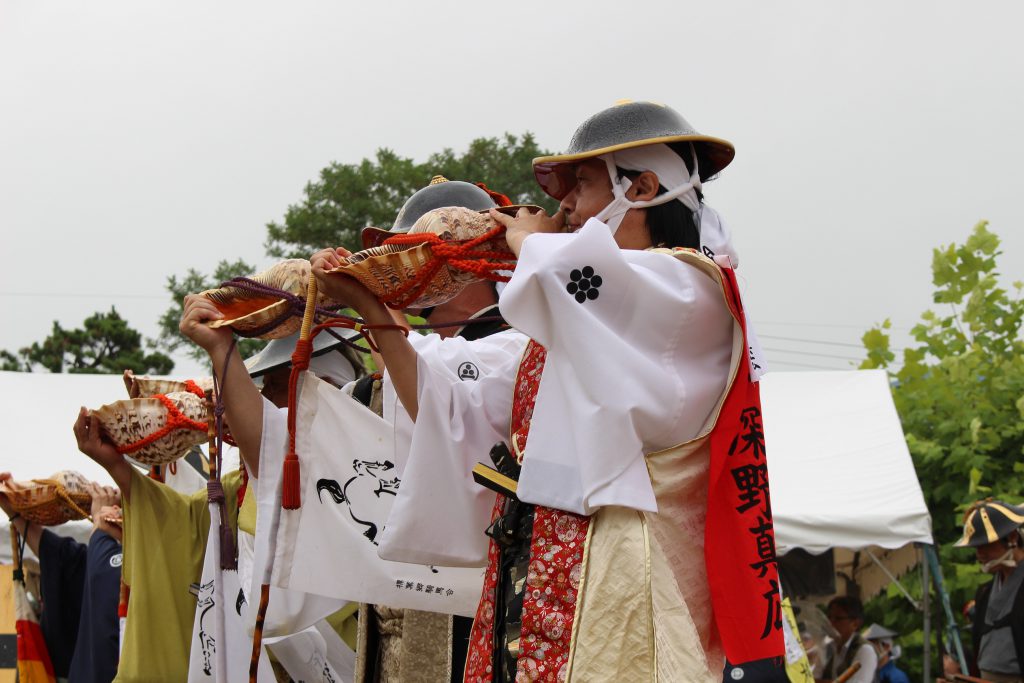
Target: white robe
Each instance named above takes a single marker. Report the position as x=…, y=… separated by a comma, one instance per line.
x=637, y=369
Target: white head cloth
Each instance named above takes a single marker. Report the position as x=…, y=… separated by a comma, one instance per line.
x=679, y=184
x=334, y=367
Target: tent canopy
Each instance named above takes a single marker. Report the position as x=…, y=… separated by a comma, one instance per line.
x=841, y=475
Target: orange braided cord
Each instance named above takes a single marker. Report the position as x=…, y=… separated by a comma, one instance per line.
x=194, y=388
x=300, y=363
x=462, y=256
x=499, y=198
x=175, y=420
x=65, y=497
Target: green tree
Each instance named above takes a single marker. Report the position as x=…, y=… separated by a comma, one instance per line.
x=104, y=344
x=348, y=197
x=959, y=392
x=170, y=338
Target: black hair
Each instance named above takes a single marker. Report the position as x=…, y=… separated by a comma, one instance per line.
x=671, y=224
x=853, y=607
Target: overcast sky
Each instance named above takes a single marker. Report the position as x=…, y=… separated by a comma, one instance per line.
x=138, y=139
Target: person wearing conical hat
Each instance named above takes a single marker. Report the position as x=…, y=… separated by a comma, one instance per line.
x=992, y=528
x=888, y=652
x=631, y=421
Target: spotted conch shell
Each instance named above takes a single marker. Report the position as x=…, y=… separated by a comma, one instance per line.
x=252, y=314
x=62, y=497
x=143, y=387
x=128, y=423
x=386, y=269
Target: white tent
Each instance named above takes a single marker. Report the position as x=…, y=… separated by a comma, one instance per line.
x=841, y=475
x=38, y=411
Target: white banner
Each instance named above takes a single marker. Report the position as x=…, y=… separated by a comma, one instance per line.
x=216, y=642
x=350, y=474
x=316, y=655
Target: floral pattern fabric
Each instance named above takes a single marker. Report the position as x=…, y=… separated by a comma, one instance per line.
x=555, y=571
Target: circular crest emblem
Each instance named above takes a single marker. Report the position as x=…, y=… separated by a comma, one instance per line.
x=469, y=371
x=116, y=560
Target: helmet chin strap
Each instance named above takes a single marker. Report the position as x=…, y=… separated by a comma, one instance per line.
x=613, y=214
x=1004, y=560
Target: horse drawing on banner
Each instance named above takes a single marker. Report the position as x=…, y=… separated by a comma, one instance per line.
x=362, y=492
x=207, y=643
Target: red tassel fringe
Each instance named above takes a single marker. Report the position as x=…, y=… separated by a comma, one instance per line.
x=290, y=499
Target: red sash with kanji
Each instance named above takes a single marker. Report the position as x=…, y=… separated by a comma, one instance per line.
x=739, y=539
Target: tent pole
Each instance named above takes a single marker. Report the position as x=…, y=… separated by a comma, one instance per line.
x=926, y=607
x=954, y=629
x=893, y=579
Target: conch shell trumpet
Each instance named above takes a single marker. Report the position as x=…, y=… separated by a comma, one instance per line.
x=144, y=387
x=158, y=429
x=61, y=498
x=260, y=313
x=389, y=270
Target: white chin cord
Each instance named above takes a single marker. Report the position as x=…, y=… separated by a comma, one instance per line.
x=1004, y=560
x=613, y=214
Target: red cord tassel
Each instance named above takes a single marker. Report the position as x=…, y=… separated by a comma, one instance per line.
x=290, y=499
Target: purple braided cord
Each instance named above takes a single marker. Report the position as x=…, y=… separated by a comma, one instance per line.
x=296, y=305
x=214, y=487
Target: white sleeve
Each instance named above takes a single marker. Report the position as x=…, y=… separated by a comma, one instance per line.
x=440, y=513
x=638, y=349
x=868, y=659
x=458, y=365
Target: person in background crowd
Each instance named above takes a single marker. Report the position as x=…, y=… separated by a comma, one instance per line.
x=882, y=639
x=992, y=528
x=846, y=614
x=80, y=585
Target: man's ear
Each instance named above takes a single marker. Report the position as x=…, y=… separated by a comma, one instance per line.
x=643, y=188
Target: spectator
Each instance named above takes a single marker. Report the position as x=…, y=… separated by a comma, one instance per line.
x=882, y=639
x=992, y=528
x=846, y=614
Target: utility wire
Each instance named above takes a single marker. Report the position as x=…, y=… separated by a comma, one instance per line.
x=77, y=295
x=844, y=325
x=806, y=365
x=819, y=341
x=811, y=353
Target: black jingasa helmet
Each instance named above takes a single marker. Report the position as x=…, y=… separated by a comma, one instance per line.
x=625, y=125
x=440, y=193
x=988, y=521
